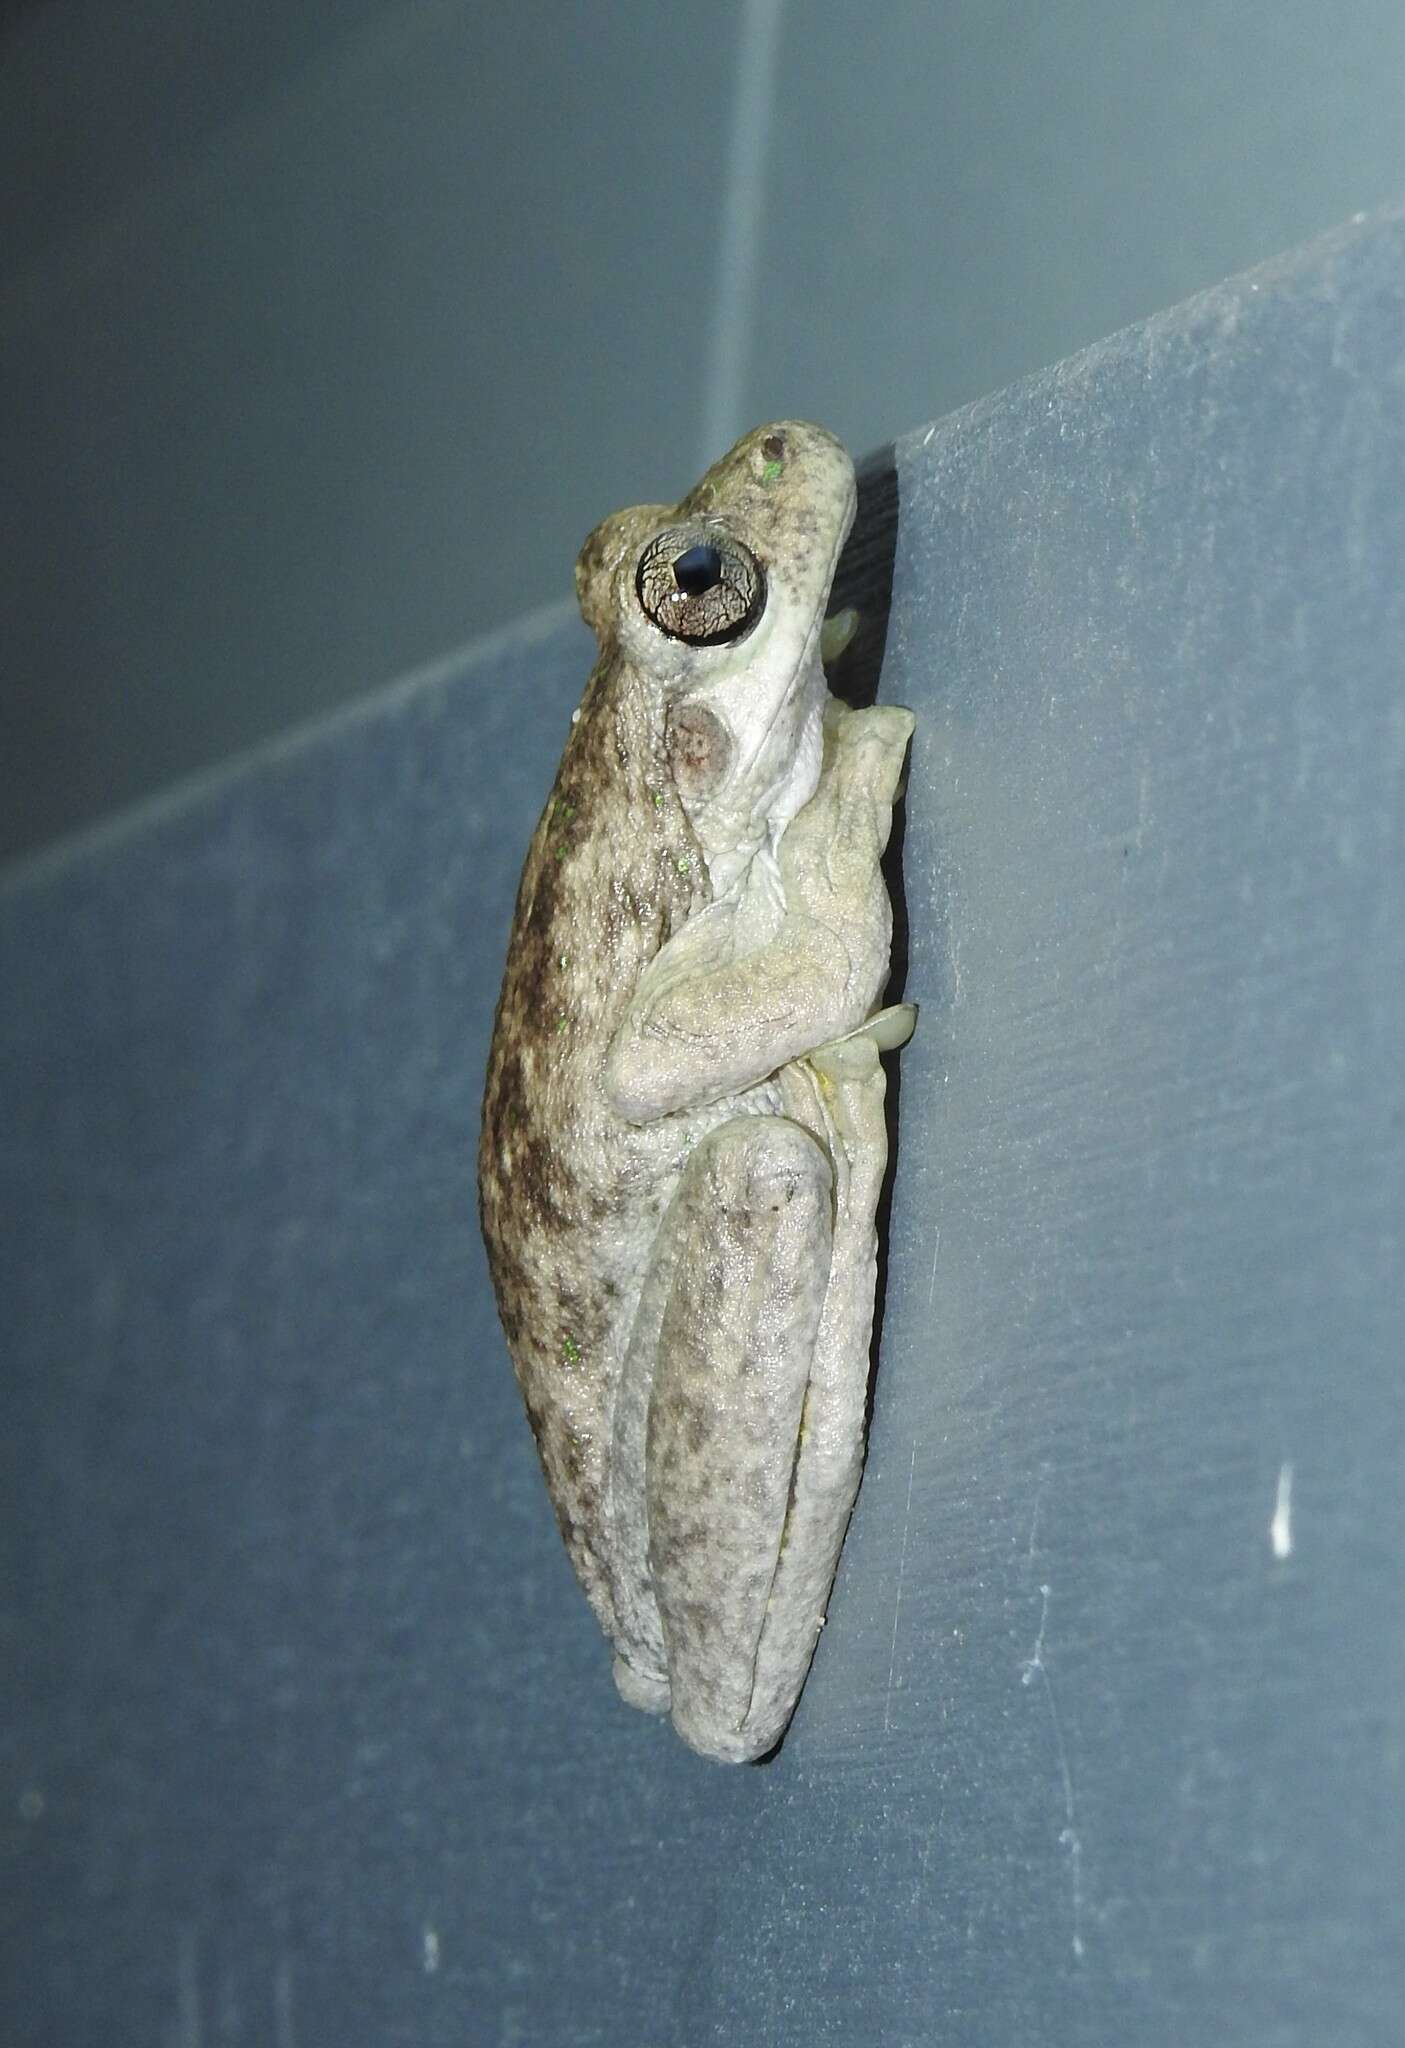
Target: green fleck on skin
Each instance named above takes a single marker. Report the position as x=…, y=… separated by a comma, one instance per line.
x=771, y=472
x=570, y=1351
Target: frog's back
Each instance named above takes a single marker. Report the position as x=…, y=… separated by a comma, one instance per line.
x=568, y=1200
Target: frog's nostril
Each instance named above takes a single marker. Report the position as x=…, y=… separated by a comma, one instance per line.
x=773, y=447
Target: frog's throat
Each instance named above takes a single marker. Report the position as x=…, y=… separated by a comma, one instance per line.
x=733, y=834
x=732, y=828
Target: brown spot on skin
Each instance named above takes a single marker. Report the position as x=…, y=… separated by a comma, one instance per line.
x=697, y=1617
x=699, y=750
x=570, y=1465
x=697, y=1428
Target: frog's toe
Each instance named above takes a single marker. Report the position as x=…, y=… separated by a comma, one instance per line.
x=646, y=1689
x=836, y=634
x=855, y=1053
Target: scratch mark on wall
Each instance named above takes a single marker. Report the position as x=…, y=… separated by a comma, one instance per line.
x=1280, y=1529
x=924, y=1858
x=1034, y=1517
x=936, y=1253
x=1069, y=1839
x=953, y=950
x=898, y=1598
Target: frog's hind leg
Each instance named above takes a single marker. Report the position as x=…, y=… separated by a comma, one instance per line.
x=744, y=1258
x=839, y=1092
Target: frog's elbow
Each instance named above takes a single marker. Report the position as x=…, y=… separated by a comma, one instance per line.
x=620, y=1083
x=637, y=1080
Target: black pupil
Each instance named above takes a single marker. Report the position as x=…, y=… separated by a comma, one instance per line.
x=697, y=569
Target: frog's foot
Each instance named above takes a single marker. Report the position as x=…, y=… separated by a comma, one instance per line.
x=865, y=751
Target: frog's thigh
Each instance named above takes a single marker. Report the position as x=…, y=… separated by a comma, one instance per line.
x=750, y=1233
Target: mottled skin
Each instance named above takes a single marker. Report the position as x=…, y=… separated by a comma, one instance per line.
x=683, y=1137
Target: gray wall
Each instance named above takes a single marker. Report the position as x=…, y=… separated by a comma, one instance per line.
x=309, y=1736
x=326, y=331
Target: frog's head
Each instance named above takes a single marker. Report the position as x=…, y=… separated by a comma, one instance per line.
x=715, y=606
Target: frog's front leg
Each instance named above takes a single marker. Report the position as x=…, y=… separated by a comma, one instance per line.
x=706, y=1021
x=709, y=1417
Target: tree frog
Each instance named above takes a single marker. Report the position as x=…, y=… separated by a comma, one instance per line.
x=683, y=1134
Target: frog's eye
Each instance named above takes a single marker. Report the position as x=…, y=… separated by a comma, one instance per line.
x=700, y=585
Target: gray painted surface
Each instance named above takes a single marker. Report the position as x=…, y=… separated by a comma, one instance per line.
x=327, y=327
x=315, y=1739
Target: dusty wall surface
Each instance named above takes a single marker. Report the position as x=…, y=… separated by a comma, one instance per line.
x=315, y=1739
